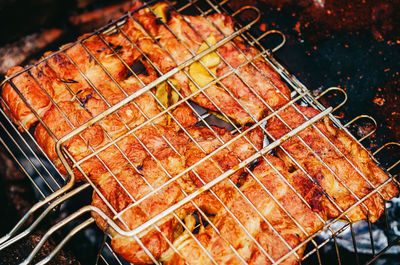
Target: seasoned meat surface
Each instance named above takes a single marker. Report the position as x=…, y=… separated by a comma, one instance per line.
x=140, y=168
x=255, y=88
x=150, y=175
x=257, y=233
x=336, y=162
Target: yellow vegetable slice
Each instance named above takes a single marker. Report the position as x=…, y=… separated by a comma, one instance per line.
x=162, y=93
x=211, y=60
x=166, y=95
x=220, y=116
x=159, y=9
x=198, y=72
x=199, y=75
x=174, y=95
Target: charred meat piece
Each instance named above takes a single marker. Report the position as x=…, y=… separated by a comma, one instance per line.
x=256, y=210
x=254, y=88
x=336, y=162
x=267, y=225
x=127, y=186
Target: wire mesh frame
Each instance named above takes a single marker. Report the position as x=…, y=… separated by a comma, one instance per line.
x=21, y=148
x=323, y=243
x=278, y=67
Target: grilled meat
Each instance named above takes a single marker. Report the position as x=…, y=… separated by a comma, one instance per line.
x=127, y=186
x=254, y=89
x=336, y=162
x=78, y=71
x=266, y=226
x=86, y=78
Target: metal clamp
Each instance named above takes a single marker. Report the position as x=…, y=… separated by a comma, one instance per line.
x=333, y=89
x=386, y=146
x=245, y=8
x=363, y=117
x=270, y=32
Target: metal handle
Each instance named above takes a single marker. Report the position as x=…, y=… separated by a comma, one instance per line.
x=11, y=238
x=333, y=89
x=270, y=32
x=386, y=146
x=363, y=117
x=245, y=8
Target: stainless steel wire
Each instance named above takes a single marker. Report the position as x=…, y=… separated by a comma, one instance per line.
x=301, y=94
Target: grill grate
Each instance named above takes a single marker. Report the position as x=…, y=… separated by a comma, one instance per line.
x=56, y=192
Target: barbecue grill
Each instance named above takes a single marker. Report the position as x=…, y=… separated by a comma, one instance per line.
x=55, y=188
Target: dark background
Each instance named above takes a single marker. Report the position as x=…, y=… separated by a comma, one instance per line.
x=351, y=44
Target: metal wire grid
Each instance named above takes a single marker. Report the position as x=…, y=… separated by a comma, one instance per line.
x=300, y=93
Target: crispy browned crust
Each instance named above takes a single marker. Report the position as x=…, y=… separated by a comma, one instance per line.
x=342, y=167
x=78, y=69
x=272, y=92
x=269, y=235
x=125, y=172
x=30, y=90
x=134, y=184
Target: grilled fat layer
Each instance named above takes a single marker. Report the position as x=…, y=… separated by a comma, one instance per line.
x=258, y=214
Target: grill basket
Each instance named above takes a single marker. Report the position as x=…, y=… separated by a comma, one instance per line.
x=54, y=188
